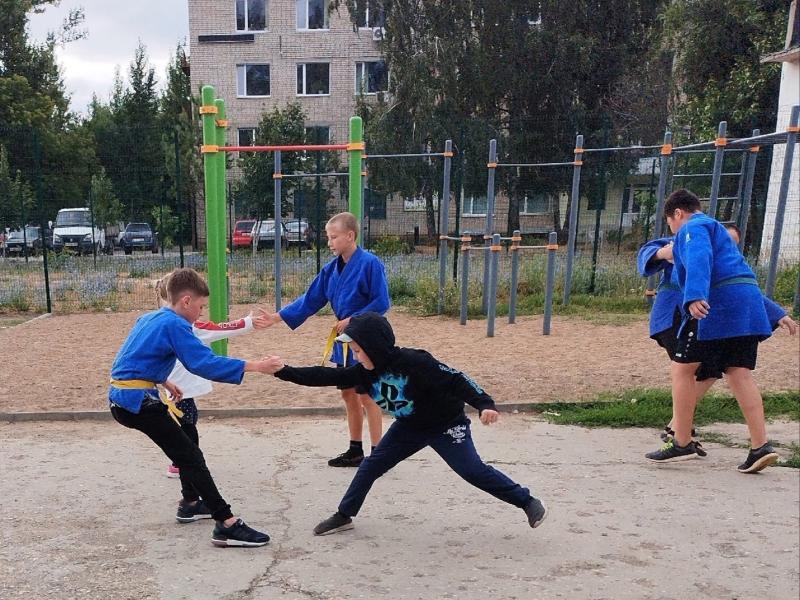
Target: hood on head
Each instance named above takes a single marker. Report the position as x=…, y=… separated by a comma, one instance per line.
x=374, y=334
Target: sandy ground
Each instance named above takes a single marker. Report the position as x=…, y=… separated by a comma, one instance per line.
x=89, y=515
x=63, y=362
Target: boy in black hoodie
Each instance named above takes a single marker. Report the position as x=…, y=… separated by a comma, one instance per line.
x=427, y=399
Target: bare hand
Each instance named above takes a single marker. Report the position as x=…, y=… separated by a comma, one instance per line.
x=341, y=325
x=489, y=416
x=270, y=365
x=665, y=253
x=262, y=319
x=173, y=390
x=789, y=324
x=699, y=309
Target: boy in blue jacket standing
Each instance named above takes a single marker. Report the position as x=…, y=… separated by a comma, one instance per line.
x=144, y=361
x=724, y=319
x=353, y=282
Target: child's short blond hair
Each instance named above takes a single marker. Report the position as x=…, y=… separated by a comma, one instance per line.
x=346, y=221
x=161, y=289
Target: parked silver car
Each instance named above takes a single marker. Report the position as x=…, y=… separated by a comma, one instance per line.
x=266, y=235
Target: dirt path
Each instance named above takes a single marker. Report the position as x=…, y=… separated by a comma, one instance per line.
x=63, y=363
x=89, y=515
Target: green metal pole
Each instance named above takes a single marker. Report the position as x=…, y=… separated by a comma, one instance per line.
x=220, y=227
x=355, y=151
x=215, y=244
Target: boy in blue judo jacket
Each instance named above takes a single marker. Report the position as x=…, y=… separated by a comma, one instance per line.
x=354, y=282
x=427, y=398
x=144, y=361
x=665, y=314
x=724, y=319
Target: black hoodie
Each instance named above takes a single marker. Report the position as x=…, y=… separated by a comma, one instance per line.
x=410, y=384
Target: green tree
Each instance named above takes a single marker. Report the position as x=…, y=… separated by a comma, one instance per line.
x=107, y=207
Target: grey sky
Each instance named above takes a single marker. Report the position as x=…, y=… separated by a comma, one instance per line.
x=114, y=29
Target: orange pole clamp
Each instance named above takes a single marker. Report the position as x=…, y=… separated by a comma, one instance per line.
x=208, y=110
x=495, y=248
x=578, y=150
x=755, y=148
x=356, y=146
x=649, y=292
x=516, y=238
x=492, y=165
x=209, y=148
x=448, y=154
x=666, y=149
x=277, y=176
x=719, y=142
x=552, y=246
x=363, y=173
x=222, y=122
x=794, y=129
x=577, y=163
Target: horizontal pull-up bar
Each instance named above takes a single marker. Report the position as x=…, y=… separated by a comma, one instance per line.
x=706, y=174
x=420, y=155
x=550, y=164
x=300, y=175
x=289, y=148
x=621, y=148
x=706, y=151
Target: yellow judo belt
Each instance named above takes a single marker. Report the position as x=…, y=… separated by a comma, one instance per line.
x=329, y=347
x=140, y=384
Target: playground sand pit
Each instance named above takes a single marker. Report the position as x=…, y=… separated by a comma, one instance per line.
x=62, y=363
x=90, y=515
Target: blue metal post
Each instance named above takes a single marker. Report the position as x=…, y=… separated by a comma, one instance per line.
x=552, y=246
x=747, y=194
x=573, y=217
x=719, y=158
x=487, y=236
x=494, y=251
x=444, y=215
x=516, y=238
x=465, y=244
x=277, y=179
x=664, y=166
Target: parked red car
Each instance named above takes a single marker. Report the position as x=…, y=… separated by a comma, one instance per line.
x=243, y=233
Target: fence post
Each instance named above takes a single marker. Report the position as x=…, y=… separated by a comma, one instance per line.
x=178, y=211
x=465, y=245
x=494, y=250
x=552, y=246
x=573, y=217
x=716, y=174
x=444, y=219
x=516, y=238
x=277, y=176
x=780, y=209
x=487, y=235
x=37, y=161
x=747, y=194
x=666, y=157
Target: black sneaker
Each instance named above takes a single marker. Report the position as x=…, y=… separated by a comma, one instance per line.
x=759, y=459
x=238, y=534
x=536, y=512
x=671, y=452
x=698, y=447
x=188, y=513
x=334, y=524
x=351, y=458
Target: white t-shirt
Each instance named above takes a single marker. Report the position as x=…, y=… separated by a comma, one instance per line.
x=193, y=385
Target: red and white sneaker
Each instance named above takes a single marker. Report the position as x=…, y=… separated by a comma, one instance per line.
x=173, y=472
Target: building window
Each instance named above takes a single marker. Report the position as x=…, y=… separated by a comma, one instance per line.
x=318, y=134
x=313, y=79
x=252, y=80
x=474, y=206
x=374, y=15
x=371, y=77
x=312, y=14
x=535, y=204
x=375, y=203
x=251, y=15
x=246, y=136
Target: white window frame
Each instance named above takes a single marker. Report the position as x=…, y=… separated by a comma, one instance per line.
x=247, y=17
x=306, y=95
x=523, y=209
x=326, y=8
x=362, y=64
x=471, y=199
x=244, y=66
x=239, y=131
x=366, y=24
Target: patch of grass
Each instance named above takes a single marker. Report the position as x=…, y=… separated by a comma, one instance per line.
x=653, y=408
x=794, y=460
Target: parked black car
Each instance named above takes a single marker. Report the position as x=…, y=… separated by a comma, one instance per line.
x=16, y=241
x=138, y=236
